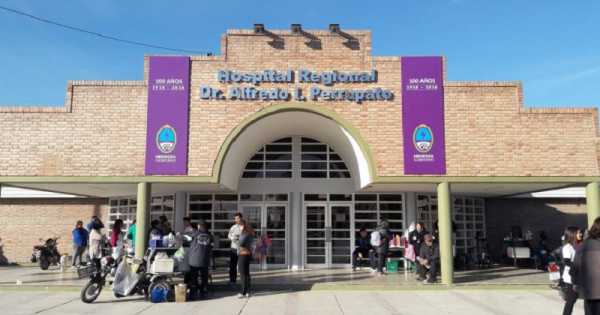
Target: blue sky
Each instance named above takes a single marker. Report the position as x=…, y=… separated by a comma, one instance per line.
x=553, y=47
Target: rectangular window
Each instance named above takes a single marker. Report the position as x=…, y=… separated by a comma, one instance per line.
x=468, y=219
x=125, y=209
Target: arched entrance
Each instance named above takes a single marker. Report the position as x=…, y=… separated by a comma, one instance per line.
x=295, y=170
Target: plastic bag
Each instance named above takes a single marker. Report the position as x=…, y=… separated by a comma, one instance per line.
x=181, y=261
x=125, y=279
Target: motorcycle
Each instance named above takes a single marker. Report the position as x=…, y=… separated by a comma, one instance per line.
x=109, y=266
x=47, y=254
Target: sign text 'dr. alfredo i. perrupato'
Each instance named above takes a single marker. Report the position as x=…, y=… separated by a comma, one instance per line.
x=245, y=86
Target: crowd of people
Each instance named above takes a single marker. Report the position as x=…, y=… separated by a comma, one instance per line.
x=195, y=239
x=580, y=255
x=420, y=250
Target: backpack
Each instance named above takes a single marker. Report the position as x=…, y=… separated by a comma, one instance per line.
x=159, y=295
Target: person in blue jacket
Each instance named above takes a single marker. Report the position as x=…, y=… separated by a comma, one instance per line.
x=80, y=241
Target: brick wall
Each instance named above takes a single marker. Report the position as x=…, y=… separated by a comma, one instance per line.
x=24, y=221
x=101, y=131
x=549, y=215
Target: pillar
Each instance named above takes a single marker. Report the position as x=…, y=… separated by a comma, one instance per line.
x=592, y=196
x=180, y=210
x=142, y=215
x=445, y=232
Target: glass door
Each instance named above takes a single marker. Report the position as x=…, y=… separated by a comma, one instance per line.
x=316, y=236
x=275, y=223
x=328, y=236
x=269, y=221
x=341, y=237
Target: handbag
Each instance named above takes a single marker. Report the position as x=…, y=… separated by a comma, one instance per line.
x=245, y=252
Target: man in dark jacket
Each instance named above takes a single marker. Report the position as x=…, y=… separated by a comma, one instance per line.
x=586, y=270
x=428, y=260
x=362, y=247
x=80, y=240
x=384, y=245
x=198, y=256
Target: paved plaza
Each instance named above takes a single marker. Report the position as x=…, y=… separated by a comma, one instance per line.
x=420, y=302
x=500, y=290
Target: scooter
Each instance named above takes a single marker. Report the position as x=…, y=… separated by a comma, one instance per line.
x=108, y=266
x=47, y=254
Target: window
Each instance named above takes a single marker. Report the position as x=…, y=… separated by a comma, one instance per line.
x=319, y=160
x=469, y=219
x=125, y=209
x=218, y=211
x=273, y=160
x=278, y=159
x=370, y=209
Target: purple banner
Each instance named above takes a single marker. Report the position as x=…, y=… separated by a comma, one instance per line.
x=168, y=111
x=423, y=116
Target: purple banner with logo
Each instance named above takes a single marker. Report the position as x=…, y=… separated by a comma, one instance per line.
x=168, y=115
x=423, y=116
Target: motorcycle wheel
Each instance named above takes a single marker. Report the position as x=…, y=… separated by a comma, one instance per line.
x=90, y=292
x=44, y=263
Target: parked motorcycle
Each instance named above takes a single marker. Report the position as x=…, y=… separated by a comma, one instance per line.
x=46, y=254
x=108, y=266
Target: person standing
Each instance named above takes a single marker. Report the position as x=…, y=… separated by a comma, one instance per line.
x=131, y=235
x=155, y=235
x=199, y=253
x=585, y=271
x=384, y=245
x=234, y=236
x=246, y=244
x=568, y=257
x=117, y=239
x=165, y=225
x=416, y=237
x=96, y=240
x=80, y=241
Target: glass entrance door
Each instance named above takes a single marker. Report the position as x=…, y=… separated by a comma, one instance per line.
x=269, y=221
x=315, y=217
x=328, y=235
x=341, y=237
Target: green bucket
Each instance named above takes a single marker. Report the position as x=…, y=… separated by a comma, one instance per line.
x=392, y=266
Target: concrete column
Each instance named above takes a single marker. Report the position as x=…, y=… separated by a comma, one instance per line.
x=411, y=209
x=180, y=210
x=592, y=196
x=142, y=215
x=296, y=246
x=445, y=232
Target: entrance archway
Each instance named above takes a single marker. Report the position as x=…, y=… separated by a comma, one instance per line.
x=279, y=121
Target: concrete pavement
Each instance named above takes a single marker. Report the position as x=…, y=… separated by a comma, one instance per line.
x=502, y=302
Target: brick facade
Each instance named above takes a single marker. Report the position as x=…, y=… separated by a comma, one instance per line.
x=24, y=221
x=101, y=130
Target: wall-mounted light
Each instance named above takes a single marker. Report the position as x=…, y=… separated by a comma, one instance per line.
x=334, y=28
x=276, y=41
x=259, y=28
x=296, y=29
x=351, y=41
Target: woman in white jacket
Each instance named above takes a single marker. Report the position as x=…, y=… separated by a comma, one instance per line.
x=96, y=240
